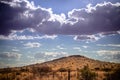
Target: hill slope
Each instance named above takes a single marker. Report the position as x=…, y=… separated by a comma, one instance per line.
x=51, y=70
x=76, y=62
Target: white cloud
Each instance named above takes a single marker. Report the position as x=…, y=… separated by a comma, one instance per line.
x=34, y=61
x=32, y=44
x=107, y=52
x=31, y=57
x=78, y=21
x=49, y=55
x=15, y=50
x=85, y=46
x=10, y=55
x=56, y=54
x=60, y=47
x=14, y=36
x=110, y=55
x=48, y=37
x=82, y=23
x=109, y=45
x=61, y=18
x=77, y=48
x=88, y=38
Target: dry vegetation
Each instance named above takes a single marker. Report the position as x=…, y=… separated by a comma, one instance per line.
x=74, y=67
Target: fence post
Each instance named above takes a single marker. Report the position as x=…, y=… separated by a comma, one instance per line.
x=53, y=75
x=68, y=74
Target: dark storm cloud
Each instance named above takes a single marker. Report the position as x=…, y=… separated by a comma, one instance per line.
x=101, y=18
x=8, y=18
x=7, y=0
x=21, y=14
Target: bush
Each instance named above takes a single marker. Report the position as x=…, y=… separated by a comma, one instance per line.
x=106, y=69
x=45, y=69
x=62, y=70
x=115, y=75
x=97, y=68
x=87, y=74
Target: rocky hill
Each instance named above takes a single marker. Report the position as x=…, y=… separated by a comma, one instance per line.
x=65, y=68
x=76, y=62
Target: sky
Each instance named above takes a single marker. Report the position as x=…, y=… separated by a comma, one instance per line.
x=35, y=31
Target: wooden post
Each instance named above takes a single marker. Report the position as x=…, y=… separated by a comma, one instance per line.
x=68, y=74
x=53, y=75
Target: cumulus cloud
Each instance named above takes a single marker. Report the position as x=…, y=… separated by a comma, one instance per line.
x=109, y=54
x=102, y=18
x=56, y=54
x=26, y=35
x=32, y=44
x=22, y=14
x=50, y=55
x=39, y=55
x=85, y=46
x=77, y=48
x=10, y=55
x=86, y=37
x=60, y=47
x=48, y=37
x=97, y=19
x=109, y=45
x=15, y=50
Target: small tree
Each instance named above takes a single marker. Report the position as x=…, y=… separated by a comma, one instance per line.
x=44, y=70
x=62, y=70
x=87, y=74
x=107, y=69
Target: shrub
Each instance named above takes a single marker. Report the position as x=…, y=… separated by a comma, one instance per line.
x=97, y=68
x=62, y=70
x=115, y=75
x=45, y=69
x=87, y=74
x=106, y=69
